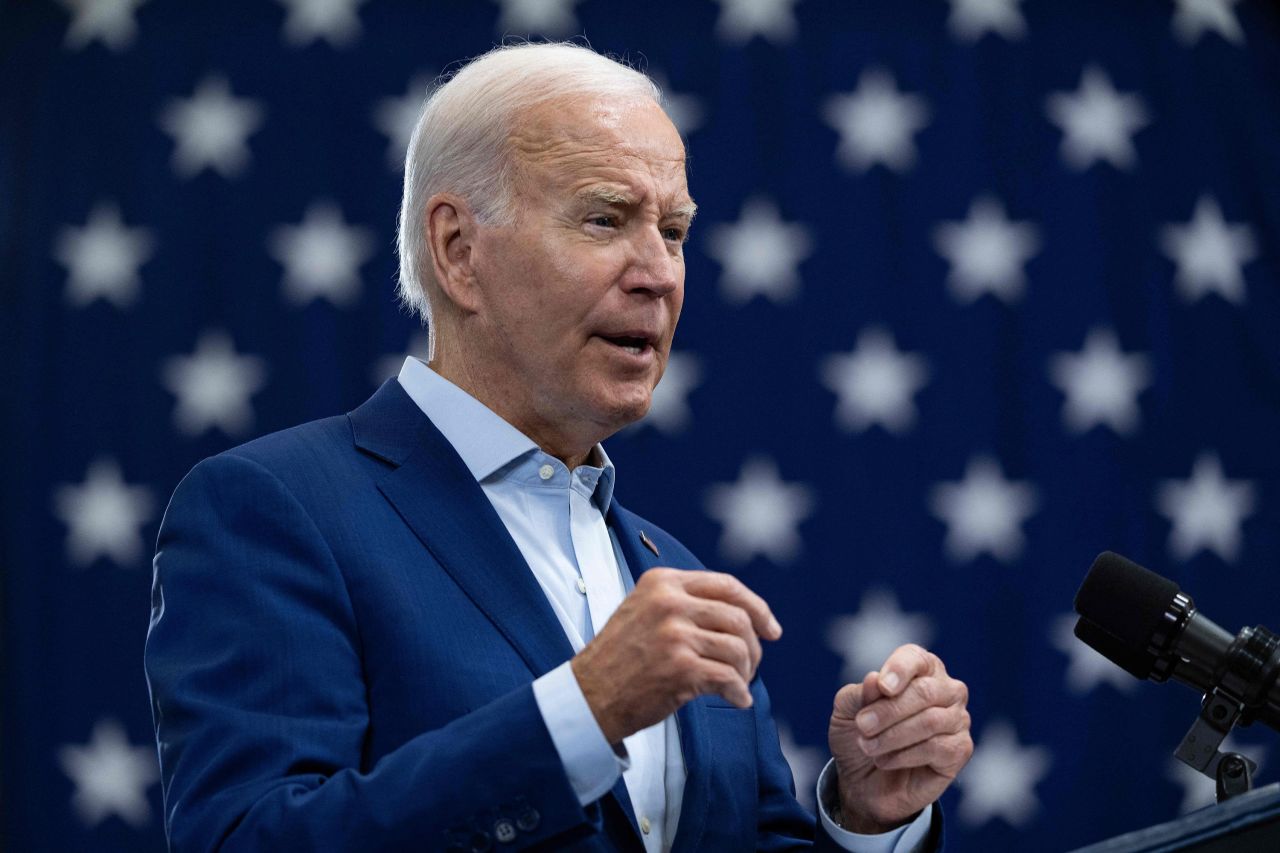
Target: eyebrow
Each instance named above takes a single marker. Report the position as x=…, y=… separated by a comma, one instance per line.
x=611, y=196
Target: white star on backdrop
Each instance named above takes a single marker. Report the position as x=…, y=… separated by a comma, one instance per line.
x=987, y=252
x=552, y=18
x=1198, y=790
x=396, y=117
x=867, y=638
x=1101, y=384
x=1207, y=510
x=389, y=365
x=970, y=20
x=876, y=123
x=806, y=763
x=1194, y=18
x=740, y=20
x=984, y=512
x=104, y=516
x=669, y=411
x=1209, y=253
x=108, y=21
x=110, y=775
x=335, y=21
x=102, y=258
x=322, y=256
x=875, y=383
x=1086, y=668
x=760, y=254
x=211, y=129
x=1097, y=122
x=759, y=513
x=213, y=386
x=685, y=111
x=1001, y=778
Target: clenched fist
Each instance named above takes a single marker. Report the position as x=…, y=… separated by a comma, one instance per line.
x=899, y=738
x=678, y=635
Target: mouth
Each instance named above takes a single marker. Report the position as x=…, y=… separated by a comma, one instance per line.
x=634, y=343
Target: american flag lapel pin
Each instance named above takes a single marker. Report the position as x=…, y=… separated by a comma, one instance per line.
x=648, y=543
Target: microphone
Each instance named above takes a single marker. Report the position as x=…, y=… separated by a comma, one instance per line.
x=1146, y=625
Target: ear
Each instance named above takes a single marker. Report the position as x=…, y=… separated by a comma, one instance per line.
x=451, y=231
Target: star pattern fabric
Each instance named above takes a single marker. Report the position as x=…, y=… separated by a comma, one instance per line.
x=1193, y=18
x=1206, y=510
x=111, y=775
x=965, y=304
x=550, y=18
x=806, y=764
x=742, y=20
x=1086, y=669
x=210, y=129
x=111, y=22
x=1000, y=780
x=104, y=516
x=984, y=512
x=760, y=513
x=867, y=638
x=1097, y=122
x=876, y=383
x=322, y=256
x=1210, y=253
x=103, y=258
x=987, y=252
x=1101, y=384
x=397, y=117
x=760, y=254
x=970, y=20
x=335, y=21
x=213, y=386
x=877, y=123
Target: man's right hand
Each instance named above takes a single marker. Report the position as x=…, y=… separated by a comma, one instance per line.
x=678, y=635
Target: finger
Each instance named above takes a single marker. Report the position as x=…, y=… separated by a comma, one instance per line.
x=931, y=722
x=727, y=619
x=723, y=680
x=945, y=755
x=726, y=648
x=921, y=693
x=906, y=663
x=729, y=589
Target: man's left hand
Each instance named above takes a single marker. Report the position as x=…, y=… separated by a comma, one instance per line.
x=899, y=738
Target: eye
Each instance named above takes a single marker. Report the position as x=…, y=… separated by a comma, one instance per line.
x=675, y=234
x=603, y=221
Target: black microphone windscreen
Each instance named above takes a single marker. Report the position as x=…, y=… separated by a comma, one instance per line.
x=1125, y=600
x=1137, y=662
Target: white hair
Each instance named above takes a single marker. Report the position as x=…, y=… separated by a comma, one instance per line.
x=461, y=141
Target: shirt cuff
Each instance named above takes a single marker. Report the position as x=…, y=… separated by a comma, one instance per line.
x=589, y=761
x=909, y=838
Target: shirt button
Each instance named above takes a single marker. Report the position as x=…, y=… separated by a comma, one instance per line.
x=546, y=471
x=645, y=826
x=582, y=586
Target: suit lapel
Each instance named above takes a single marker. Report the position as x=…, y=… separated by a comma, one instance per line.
x=640, y=552
x=438, y=498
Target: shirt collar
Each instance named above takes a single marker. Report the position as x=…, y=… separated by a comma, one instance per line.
x=481, y=437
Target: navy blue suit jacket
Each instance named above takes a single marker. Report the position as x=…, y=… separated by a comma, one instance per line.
x=343, y=638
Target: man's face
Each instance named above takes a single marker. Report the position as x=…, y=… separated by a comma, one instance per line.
x=580, y=296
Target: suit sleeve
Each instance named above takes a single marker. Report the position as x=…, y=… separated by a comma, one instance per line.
x=253, y=659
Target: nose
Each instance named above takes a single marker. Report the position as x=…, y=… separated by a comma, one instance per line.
x=655, y=266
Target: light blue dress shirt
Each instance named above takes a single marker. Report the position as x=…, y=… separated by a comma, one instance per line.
x=514, y=473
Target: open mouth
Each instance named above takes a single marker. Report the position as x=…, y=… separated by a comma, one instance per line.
x=630, y=343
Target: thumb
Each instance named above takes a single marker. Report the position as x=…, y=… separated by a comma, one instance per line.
x=852, y=698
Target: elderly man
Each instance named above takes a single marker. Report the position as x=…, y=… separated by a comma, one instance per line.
x=428, y=624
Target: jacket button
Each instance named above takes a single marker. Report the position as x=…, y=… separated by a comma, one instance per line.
x=481, y=842
x=528, y=820
x=504, y=830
